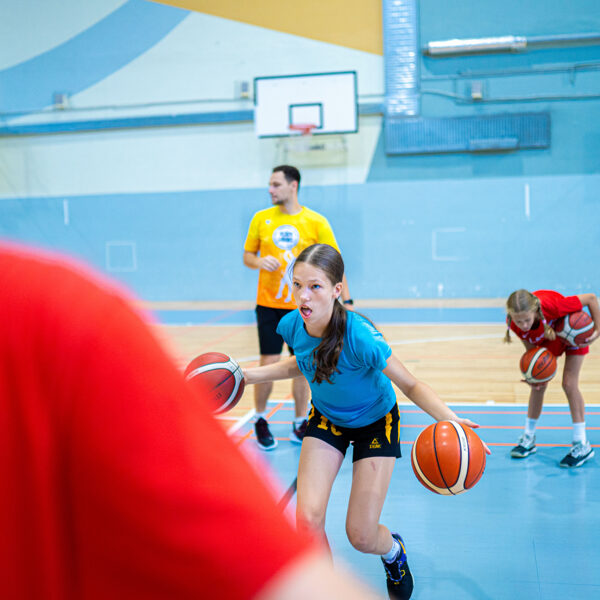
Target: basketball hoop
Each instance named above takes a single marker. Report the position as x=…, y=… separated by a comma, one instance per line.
x=303, y=128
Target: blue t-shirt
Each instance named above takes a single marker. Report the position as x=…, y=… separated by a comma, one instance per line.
x=360, y=393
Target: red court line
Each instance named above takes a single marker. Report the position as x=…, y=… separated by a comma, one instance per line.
x=281, y=406
x=507, y=444
x=222, y=338
x=222, y=316
x=502, y=412
x=247, y=435
x=507, y=426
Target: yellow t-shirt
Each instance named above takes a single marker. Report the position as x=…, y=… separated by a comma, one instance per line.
x=275, y=233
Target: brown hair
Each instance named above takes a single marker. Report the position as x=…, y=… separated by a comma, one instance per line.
x=524, y=301
x=290, y=173
x=327, y=354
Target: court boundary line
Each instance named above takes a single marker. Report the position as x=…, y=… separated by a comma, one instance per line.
x=393, y=323
x=244, y=419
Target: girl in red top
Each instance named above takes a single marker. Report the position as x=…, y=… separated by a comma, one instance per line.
x=532, y=317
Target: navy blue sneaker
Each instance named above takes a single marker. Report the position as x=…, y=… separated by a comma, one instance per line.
x=579, y=453
x=298, y=433
x=264, y=438
x=399, y=578
x=525, y=447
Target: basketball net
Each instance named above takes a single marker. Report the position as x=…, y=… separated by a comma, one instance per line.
x=303, y=149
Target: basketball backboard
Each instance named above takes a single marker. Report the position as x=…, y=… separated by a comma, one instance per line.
x=328, y=101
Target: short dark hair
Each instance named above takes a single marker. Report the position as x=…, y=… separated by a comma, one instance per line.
x=290, y=173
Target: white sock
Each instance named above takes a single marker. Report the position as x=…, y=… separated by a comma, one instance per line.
x=260, y=415
x=393, y=553
x=579, y=432
x=298, y=421
x=530, y=426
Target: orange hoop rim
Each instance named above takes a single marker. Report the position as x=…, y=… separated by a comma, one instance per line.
x=304, y=128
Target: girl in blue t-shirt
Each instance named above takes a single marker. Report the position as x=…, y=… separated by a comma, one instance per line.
x=350, y=369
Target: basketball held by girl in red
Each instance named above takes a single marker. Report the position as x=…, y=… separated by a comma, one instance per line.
x=538, y=365
x=448, y=458
x=575, y=328
x=218, y=378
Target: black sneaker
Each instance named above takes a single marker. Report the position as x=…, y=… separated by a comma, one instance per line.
x=399, y=578
x=579, y=453
x=264, y=439
x=298, y=432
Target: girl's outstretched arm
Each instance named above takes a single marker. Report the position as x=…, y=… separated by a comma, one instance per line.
x=422, y=395
x=284, y=369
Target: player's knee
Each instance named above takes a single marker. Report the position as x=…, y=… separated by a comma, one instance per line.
x=570, y=384
x=310, y=520
x=361, y=538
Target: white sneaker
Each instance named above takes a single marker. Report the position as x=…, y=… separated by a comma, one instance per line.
x=525, y=446
x=580, y=452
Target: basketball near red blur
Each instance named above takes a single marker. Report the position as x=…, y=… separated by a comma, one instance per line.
x=538, y=365
x=448, y=458
x=218, y=377
x=575, y=328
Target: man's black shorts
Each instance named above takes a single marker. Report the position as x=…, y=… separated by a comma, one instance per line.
x=267, y=319
x=381, y=438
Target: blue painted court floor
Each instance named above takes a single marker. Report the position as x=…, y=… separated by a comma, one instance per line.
x=528, y=530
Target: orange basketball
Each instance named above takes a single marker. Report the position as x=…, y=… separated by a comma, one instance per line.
x=448, y=458
x=217, y=376
x=575, y=328
x=538, y=365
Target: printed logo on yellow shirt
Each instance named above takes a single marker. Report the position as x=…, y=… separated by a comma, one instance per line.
x=286, y=237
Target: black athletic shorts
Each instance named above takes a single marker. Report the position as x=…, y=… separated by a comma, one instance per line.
x=381, y=438
x=267, y=319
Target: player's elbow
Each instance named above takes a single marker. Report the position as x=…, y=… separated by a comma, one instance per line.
x=412, y=390
x=587, y=299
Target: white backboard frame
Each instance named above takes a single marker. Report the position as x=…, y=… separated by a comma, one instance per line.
x=327, y=100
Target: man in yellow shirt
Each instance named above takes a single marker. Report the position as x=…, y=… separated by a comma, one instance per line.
x=275, y=237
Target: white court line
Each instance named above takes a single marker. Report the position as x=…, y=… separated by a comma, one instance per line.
x=499, y=404
x=241, y=422
x=490, y=404
x=379, y=322
x=445, y=339
x=407, y=342
x=244, y=419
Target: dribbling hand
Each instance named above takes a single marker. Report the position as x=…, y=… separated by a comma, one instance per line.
x=591, y=339
x=472, y=425
x=535, y=386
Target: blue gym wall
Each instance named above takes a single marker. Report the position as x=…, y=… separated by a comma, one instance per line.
x=166, y=209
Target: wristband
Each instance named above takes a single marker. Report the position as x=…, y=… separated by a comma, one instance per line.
x=349, y=301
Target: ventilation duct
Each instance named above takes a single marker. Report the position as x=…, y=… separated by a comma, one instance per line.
x=507, y=43
x=401, y=51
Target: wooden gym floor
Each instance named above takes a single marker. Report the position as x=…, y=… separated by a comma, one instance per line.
x=463, y=361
